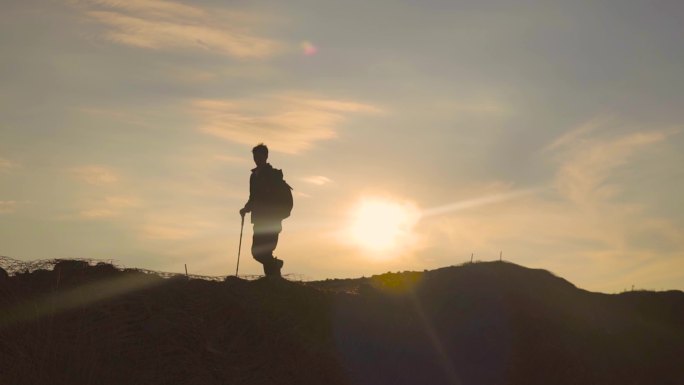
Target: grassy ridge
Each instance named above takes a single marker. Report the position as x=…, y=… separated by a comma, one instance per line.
x=483, y=323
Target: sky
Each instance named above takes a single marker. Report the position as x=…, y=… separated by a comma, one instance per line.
x=549, y=133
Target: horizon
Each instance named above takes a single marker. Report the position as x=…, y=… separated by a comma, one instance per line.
x=413, y=135
x=17, y=268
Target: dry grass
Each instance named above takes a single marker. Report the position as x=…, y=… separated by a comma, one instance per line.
x=162, y=331
x=83, y=322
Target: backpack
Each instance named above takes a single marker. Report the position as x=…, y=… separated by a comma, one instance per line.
x=281, y=194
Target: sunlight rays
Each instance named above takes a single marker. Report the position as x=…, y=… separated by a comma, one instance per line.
x=80, y=296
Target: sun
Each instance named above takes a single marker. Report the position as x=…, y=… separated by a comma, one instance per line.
x=380, y=224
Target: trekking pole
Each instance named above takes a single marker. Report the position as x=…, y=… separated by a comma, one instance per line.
x=242, y=225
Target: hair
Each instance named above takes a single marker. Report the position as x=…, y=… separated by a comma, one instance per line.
x=260, y=149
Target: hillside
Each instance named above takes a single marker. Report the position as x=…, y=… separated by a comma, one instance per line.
x=482, y=323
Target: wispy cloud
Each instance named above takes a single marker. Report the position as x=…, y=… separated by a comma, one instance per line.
x=8, y=206
x=587, y=158
x=478, y=202
x=6, y=165
x=476, y=106
x=109, y=207
x=169, y=25
x=317, y=180
x=128, y=117
x=175, y=227
x=182, y=222
x=488, y=107
x=96, y=175
x=581, y=133
x=327, y=104
x=289, y=124
x=167, y=232
x=230, y=159
x=580, y=220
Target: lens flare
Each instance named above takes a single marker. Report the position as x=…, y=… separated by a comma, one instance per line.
x=308, y=48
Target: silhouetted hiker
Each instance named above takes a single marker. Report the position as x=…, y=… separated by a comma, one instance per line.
x=270, y=201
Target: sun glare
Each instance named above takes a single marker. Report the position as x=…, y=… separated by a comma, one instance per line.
x=380, y=224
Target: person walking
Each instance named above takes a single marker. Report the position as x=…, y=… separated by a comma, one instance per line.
x=268, y=204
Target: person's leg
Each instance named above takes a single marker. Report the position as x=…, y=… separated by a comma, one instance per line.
x=262, y=251
x=276, y=264
x=270, y=267
x=264, y=241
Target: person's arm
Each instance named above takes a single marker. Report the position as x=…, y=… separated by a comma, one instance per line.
x=250, y=201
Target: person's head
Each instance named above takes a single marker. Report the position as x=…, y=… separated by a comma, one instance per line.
x=260, y=153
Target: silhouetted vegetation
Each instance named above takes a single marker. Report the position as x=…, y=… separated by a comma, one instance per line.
x=482, y=323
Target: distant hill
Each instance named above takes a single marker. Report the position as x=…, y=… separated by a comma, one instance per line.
x=482, y=323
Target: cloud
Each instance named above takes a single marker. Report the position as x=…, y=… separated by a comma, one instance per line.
x=109, y=207
x=317, y=180
x=167, y=232
x=120, y=115
x=168, y=25
x=478, y=202
x=302, y=194
x=173, y=219
x=478, y=106
x=588, y=158
x=158, y=8
x=97, y=213
x=483, y=107
x=176, y=226
x=230, y=159
x=328, y=104
x=7, y=207
x=289, y=124
x=548, y=231
x=580, y=221
x=580, y=133
x=96, y=175
x=6, y=165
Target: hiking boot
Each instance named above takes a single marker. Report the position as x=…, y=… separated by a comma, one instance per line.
x=277, y=265
x=272, y=268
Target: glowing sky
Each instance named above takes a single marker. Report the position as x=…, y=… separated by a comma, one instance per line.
x=551, y=131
